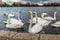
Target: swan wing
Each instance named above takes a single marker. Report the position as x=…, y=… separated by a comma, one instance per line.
x=11, y=15
x=58, y=22
x=17, y=22
x=49, y=18
x=39, y=26
x=10, y=26
x=38, y=19
x=36, y=28
x=55, y=25
x=14, y=24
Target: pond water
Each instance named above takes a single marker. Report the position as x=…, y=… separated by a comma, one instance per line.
x=39, y=10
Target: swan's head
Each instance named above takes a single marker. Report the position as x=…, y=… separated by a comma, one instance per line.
x=34, y=13
x=43, y=15
x=19, y=11
x=5, y=14
x=55, y=12
x=29, y=13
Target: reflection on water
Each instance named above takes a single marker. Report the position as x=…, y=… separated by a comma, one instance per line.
x=49, y=10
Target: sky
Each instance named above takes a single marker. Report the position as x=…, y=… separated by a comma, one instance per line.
x=33, y=0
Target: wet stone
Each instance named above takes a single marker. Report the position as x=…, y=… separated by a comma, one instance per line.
x=26, y=36
x=7, y=33
x=58, y=37
x=48, y=37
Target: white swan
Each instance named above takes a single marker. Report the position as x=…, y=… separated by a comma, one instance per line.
x=8, y=15
x=14, y=23
x=38, y=26
x=48, y=17
x=44, y=16
x=11, y=15
x=56, y=24
x=36, y=19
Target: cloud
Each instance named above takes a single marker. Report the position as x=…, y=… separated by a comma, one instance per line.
x=29, y=0
x=6, y=0
x=9, y=2
x=16, y=0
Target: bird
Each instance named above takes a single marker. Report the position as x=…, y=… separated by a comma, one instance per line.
x=14, y=23
x=6, y=14
x=56, y=24
x=38, y=26
x=36, y=19
x=49, y=17
x=9, y=16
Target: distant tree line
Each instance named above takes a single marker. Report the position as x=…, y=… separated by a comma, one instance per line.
x=27, y=5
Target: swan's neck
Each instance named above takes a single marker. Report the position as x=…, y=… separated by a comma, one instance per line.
x=54, y=16
x=30, y=26
x=42, y=16
x=13, y=13
x=18, y=16
x=9, y=20
x=36, y=18
x=49, y=22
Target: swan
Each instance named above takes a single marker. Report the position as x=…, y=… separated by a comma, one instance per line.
x=14, y=23
x=48, y=17
x=44, y=16
x=8, y=15
x=11, y=15
x=36, y=19
x=38, y=26
x=56, y=24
